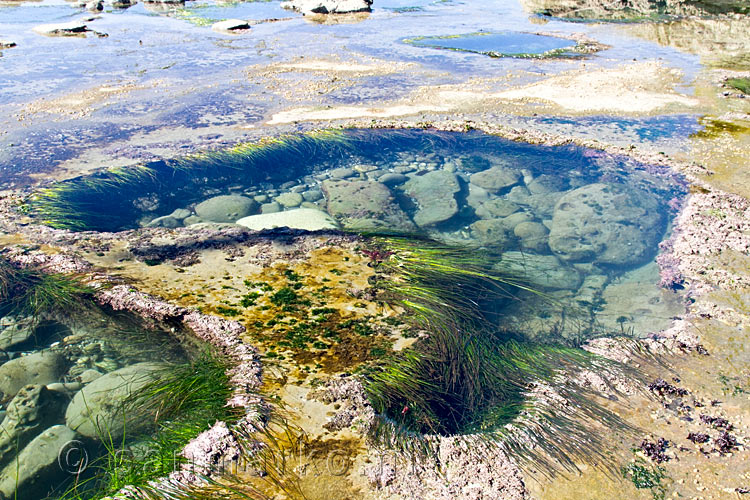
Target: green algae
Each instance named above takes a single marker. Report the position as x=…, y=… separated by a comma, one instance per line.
x=741, y=84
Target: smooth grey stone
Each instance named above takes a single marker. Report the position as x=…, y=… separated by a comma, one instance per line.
x=181, y=213
x=539, y=270
x=313, y=195
x=165, y=221
x=342, y=173
x=33, y=409
x=226, y=208
x=270, y=208
x=289, y=200
x=37, y=467
x=392, y=179
x=40, y=368
x=96, y=406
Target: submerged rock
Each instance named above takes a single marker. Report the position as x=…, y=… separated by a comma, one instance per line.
x=96, y=409
x=328, y=6
x=226, y=208
x=365, y=205
x=435, y=195
x=545, y=271
x=167, y=221
x=607, y=224
x=490, y=232
x=289, y=200
x=496, y=208
x=533, y=235
x=32, y=410
x=14, y=331
x=392, y=179
x=496, y=178
x=31, y=476
x=308, y=219
x=40, y=368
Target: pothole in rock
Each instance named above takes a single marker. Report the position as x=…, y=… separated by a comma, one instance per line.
x=578, y=224
x=504, y=44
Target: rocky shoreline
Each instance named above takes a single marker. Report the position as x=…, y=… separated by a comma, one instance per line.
x=696, y=237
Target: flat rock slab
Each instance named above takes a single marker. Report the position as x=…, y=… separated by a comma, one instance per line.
x=72, y=28
x=230, y=26
x=307, y=219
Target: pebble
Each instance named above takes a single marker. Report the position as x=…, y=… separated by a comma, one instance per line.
x=270, y=208
x=341, y=173
x=312, y=195
x=392, y=179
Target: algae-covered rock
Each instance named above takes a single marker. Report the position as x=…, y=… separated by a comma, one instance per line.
x=607, y=224
x=365, y=205
x=308, y=219
x=39, y=368
x=226, y=208
x=435, y=195
x=544, y=271
x=37, y=468
x=96, y=410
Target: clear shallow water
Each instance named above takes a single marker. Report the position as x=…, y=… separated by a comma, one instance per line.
x=496, y=44
x=45, y=369
x=570, y=220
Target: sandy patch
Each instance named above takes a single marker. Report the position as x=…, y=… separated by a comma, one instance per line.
x=632, y=88
x=82, y=103
x=639, y=88
x=305, y=79
x=342, y=112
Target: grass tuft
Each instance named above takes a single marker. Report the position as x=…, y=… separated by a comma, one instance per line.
x=468, y=376
x=32, y=292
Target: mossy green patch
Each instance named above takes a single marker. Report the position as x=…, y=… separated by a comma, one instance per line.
x=741, y=84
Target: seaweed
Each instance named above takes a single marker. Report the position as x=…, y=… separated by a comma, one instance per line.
x=467, y=376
